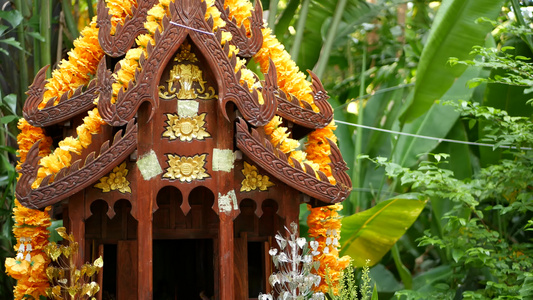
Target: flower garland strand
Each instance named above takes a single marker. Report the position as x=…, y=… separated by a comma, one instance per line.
x=83, y=59
x=30, y=229
x=324, y=226
x=318, y=149
x=28, y=267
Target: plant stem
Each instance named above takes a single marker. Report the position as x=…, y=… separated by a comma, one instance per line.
x=322, y=62
x=69, y=18
x=359, y=135
x=45, y=23
x=521, y=21
x=90, y=9
x=300, y=30
x=23, y=64
x=272, y=11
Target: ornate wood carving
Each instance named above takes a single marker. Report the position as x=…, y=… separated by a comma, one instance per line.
x=305, y=116
x=116, y=45
x=303, y=179
x=73, y=179
x=67, y=108
x=248, y=46
x=190, y=13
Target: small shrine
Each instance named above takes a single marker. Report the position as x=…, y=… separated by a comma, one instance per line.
x=178, y=163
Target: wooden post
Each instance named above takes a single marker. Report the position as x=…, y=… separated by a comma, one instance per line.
x=144, y=199
x=225, y=183
x=76, y=215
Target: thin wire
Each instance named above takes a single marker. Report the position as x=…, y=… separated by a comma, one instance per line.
x=198, y=30
x=384, y=90
x=427, y=137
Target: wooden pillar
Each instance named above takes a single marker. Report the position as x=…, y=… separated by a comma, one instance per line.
x=76, y=216
x=227, y=280
x=225, y=183
x=144, y=243
x=144, y=214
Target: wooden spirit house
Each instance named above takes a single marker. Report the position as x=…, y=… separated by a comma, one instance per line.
x=182, y=189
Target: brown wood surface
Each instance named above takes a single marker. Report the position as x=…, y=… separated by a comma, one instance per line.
x=241, y=268
x=127, y=270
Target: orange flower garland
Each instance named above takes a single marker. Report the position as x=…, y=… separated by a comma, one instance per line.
x=28, y=268
x=318, y=149
x=324, y=226
x=290, y=79
x=30, y=229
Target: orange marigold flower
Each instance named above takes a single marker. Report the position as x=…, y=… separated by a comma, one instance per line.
x=272, y=125
x=279, y=135
x=324, y=225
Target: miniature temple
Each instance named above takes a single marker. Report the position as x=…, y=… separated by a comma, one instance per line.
x=182, y=186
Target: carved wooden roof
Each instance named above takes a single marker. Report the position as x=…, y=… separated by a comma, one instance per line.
x=190, y=14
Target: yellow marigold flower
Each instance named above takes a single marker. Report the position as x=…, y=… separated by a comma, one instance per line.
x=241, y=10
x=272, y=125
x=226, y=37
x=289, y=145
x=298, y=155
x=152, y=26
x=324, y=225
x=71, y=144
x=134, y=54
x=158, y=12
x=143, y=40
x=213, y=12
x=84, y=135
x=17, y=268
x=290, y=79
x=278, y=135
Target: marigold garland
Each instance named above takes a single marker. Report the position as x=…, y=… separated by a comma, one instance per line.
x=318, y=149
x=324, y=226
x=79, y=69
x=30, y=229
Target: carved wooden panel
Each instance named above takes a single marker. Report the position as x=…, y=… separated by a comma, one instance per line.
x=118, y=44
x=145, y=88
x=305, y=116
x=69, y=106
x=73, y=179
x=248, y=46
x=263, y=153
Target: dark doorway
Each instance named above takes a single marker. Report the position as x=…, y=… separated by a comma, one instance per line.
x=183, y=269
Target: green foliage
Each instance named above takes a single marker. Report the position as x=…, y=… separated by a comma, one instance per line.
x=367, y=236
x=453, y=33
x=348, y=285
x=485, y=233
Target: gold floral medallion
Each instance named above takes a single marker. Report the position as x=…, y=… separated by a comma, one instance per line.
x=186, y=128
x=116, y=180
x=253, y=180
x=186, y=168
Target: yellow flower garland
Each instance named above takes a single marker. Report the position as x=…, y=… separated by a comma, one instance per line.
x=324, y=226
x=77, y=70
x=30, y=230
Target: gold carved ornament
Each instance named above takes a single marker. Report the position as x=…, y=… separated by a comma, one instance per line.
x=186, y=168
x=116, y=180
x=185, y=74
x=253, y=180
x=186, y=128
